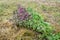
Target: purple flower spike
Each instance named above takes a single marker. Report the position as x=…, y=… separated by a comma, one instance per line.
x=21, y=10
x=23, y=14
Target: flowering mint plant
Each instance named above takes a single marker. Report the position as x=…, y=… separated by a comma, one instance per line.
x=31, y=19
x=23, y=14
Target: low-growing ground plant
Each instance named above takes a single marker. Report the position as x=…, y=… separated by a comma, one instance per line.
x=31, y=19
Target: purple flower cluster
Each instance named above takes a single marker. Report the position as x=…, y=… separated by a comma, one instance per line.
x=23, y=14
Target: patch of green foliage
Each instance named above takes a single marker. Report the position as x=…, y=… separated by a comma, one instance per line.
x=54, y=36
x=37, y=23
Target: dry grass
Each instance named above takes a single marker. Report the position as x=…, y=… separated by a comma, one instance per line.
x=9, y=31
